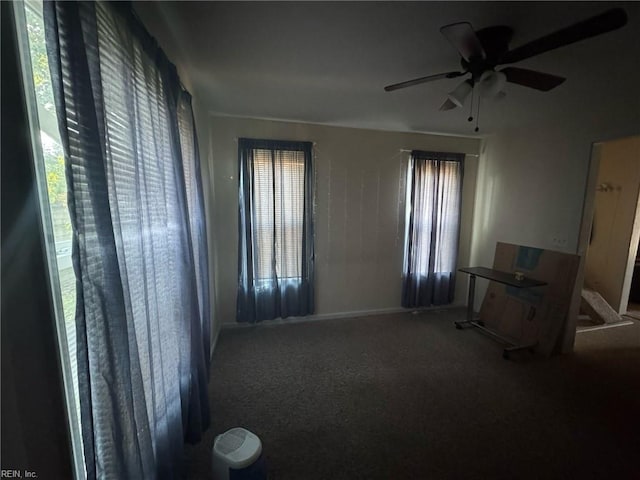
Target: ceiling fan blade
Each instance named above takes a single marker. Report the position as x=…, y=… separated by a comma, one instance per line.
x=531, y=78
x=603, y=23
x=463, y=37
x=447, y=105
x=500, y=96
x=417, y=81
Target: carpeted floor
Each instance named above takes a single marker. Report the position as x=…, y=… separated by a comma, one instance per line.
x=410, y=397
x=633, y=310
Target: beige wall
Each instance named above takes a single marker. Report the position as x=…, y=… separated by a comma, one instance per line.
x=359, y=211
x=532, y=185
x=614, y=241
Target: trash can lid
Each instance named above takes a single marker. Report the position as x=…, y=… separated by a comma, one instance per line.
x=239, y=447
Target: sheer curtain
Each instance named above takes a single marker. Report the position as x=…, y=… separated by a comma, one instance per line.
x=434, y=200
x=139, y=247
x=275, y=251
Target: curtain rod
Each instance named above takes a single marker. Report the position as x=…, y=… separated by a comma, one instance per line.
x=404, y=150
x=235, y=139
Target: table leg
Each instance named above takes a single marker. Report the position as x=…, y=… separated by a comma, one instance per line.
x=472, y=297
x=470, y=322
x=531, y=347
x=470, y=302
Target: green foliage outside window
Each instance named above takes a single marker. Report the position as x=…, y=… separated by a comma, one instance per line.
x=53, y=155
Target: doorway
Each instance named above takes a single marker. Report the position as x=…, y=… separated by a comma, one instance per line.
x=611, y=291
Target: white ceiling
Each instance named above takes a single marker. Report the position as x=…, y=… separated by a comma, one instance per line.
x=328, y=62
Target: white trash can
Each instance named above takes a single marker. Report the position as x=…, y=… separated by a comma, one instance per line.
x=237, y=455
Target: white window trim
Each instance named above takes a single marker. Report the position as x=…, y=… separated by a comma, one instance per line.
x=54, y=290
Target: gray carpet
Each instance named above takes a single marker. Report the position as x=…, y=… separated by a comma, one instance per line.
x=410, y=397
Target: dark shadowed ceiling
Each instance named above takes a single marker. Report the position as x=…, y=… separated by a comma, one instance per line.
x=328, y=62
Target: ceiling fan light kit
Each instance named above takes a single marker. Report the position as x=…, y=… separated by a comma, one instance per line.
x=460, y=94
x=491, y=83
x=482, y=51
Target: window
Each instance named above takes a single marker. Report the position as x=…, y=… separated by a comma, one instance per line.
x=136, y=205
x=52, y=186
x=53, y=157
x=276, y=229
x=279, y=213
x=434, y=197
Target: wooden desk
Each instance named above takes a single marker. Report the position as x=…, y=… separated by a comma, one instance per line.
x=498, y=276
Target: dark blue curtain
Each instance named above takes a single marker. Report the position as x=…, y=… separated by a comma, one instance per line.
x=434, y=203
x=276, y=248
x=139, y=246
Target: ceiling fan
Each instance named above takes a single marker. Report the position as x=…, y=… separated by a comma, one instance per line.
x=482, y=51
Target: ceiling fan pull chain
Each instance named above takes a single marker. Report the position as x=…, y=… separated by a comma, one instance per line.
x=470, y=119
x=478, y=115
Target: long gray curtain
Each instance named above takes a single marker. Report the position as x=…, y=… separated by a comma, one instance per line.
x=276, y=249
x=434, y=201
x=139, y=245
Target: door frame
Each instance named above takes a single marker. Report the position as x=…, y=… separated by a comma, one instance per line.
x=586, y=223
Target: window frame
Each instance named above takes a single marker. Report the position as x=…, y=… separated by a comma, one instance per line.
x=418, y=225
x=300, y=149
x=261, y=274
x=53, y=286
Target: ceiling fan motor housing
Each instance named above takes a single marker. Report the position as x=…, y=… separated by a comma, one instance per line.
x=495, y=42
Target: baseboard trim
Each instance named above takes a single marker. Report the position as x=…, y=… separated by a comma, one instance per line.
x=625, y=322
x=332, y=316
